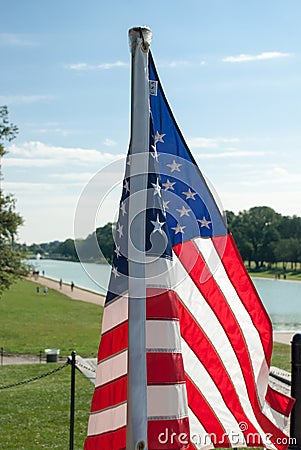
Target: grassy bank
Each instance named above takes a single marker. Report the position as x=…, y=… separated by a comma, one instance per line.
x=294, y=275
x=30, y=322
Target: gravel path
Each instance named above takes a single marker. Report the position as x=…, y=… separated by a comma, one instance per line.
x=77, y=293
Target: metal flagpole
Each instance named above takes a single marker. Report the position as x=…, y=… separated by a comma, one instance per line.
x=140, y=39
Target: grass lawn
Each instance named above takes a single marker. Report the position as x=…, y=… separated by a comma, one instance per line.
x=36, y=415
x=30, y=322
x=281, y=356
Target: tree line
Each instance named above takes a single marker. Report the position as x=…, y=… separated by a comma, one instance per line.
x=262, y=235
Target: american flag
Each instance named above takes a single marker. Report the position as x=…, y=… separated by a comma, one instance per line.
x=208, y=336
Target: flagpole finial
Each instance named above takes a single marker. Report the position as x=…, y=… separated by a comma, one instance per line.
x=139, y=35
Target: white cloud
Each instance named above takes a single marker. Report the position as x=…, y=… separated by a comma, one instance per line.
x=232, y=154
x=276, y=176
x=90, y=67
x=17, y=40
x=27, y=162
x=180, y=63
x=34, y=151
x=56, y=130
x=32, y=187
x=17, y=99
x=175, y=64
x=74, y=176
x=109, y=142
x=203, y=142
x=260, y=57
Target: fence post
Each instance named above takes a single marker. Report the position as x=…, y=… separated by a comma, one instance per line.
x=2, y=351
x=295, y=426
x=72, y=401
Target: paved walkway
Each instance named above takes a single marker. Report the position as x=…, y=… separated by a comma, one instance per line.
x=284, y=337
x=77, y=293
x=98, y=299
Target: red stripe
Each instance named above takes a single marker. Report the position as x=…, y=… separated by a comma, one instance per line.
x=190, y=258
x=206, y=415
x=110, y=394
x=202, y=347
x=169, y=435
x=237, y=273
x=114, y=341
x=164, y=368
x=279, y=402
x=112, y=440
x=221, y=309
x=161, y=304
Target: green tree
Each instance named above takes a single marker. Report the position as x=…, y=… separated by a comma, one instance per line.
x=11, y=265
x=288, y=250
x=255, y=232
x=106, y=241
x=98, y=246
x=67, y=249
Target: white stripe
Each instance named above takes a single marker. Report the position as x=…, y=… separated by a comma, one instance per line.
x=198, y=435
x=107, y=420
x=163, y=335
x=115, y=313
x=250, y=332
x=159, y=273
x=198, y=307
x=280, y=420
x=167, y=402
x=197, y=372
x=111, y=368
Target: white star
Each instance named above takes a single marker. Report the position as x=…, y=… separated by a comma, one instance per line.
x=157, y=188
x=155, y=154
x=126, y=185
x=165, y=204
x=122, y=208
x=174, y=166
x=159, y=137
x=120, y=229
x=204, y=222
x=169, y=185
x=158, y=225
x=184, y=211
x=115, y=272
x=117, y=251
x=189, y=194
x=179, y=229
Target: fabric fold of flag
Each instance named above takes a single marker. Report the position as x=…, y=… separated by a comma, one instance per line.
x=208, y=336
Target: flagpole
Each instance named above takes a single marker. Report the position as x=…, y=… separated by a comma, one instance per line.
x=139, y=147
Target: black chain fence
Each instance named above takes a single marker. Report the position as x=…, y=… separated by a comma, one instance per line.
x=38, y=377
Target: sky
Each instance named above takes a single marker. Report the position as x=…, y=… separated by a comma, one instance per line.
x=231, y=71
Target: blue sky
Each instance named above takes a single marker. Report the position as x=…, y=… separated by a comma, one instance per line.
x=231, y=71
